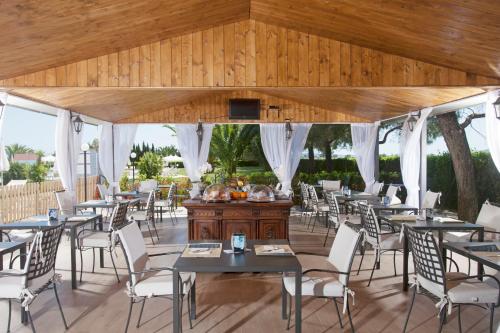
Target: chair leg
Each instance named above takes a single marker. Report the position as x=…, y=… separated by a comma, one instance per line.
x=150, y=234
x=459, y=320
x=129, y=314
x=327, y=233
x=492, y=314
x=59, y=305
x=316, y=218
x=140, y=313
x=290, y=300
x=28, y=313
x=394, y=262
x=411, y=307
x=113, y=262
x=361, y=261
x=81, y=265
x=156, y=232
x=93, y=259
x=373, y=269
x=442, y=319
x=189, y=309
x=349, y=314
x=338, y=313
x=9, y=317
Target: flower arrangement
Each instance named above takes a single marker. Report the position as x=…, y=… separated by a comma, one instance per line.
x=206, y=168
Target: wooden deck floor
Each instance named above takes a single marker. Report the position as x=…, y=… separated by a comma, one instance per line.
x=238, y=302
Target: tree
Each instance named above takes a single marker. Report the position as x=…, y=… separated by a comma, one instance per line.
x=229, y=143
x=16, y=171
x=461, y=157
x=327, y=138
x=36, y=173
x=17, y=148
x=150, y=165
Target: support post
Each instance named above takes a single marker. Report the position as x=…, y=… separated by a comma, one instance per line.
x=376, y=156
x=85, y=174
x=423, y=163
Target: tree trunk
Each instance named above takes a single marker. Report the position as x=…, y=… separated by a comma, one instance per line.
x=310, y=151
x=463, y=166
x=328, y=157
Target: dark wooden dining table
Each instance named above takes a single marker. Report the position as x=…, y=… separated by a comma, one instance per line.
x=71, y=223
x=474, y=251
x=430, y=225
x=248, y=262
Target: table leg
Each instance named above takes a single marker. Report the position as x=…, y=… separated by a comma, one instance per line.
x=284, y=306
x=298, y=301
x=193, y=301
x=480, y=270
x=22, y=262
x=443, y=250
x=101, y=250
x=406, y=255
x=72, y=232
x=175, y=310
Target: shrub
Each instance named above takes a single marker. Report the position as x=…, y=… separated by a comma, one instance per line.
x=150, y=166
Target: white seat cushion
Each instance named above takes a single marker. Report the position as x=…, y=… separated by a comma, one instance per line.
x=11, y=286
x=473, y=291
x=162, y=203
x=457, y=236
x=95, y=239
x=139, y=215
x=21, y=236
x=315, y=286
x=161, y=284
x=390, y=242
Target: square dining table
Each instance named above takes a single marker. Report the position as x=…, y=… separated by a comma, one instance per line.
x=103, y=204
x=248, y=262
x=474, y=251
x=71, y=223
x=10, y=247
x=430, y=225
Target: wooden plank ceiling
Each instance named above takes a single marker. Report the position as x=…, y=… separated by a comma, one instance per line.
x=171, y=61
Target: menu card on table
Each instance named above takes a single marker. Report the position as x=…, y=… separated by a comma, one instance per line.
x=202, y=250
x=274, y=250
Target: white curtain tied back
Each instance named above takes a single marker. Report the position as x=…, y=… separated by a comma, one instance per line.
x=493, y=128
x=364, y=140
x=410, y=157
x=193, y=151
x=4, y=161
x=282, y=154
x=115, y=145
x=67, y=143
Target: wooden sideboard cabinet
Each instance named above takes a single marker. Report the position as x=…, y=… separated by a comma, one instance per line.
x=218, y=221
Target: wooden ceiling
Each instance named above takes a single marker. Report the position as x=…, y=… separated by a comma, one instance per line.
x=164, y=105
x=37, y=35
x=179, y=61
x=458, y=34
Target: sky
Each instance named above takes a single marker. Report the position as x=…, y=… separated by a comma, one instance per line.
x=36, y=130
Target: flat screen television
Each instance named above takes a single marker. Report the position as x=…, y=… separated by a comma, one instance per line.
x=244, y=109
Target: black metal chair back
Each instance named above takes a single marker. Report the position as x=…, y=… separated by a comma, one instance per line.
x=333, y=205
x=41, y=258
x=426, y=257
x=119, y=216
x=370, y=223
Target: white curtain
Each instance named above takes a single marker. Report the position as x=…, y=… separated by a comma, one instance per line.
x=410, y=157
x=67, y=143
x=4, y=161
x=364, y=139
x=282, y=154
x=493, y=128
x=194, y=153
x=115, y=145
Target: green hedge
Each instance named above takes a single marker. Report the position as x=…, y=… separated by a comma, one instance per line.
x=440, y=175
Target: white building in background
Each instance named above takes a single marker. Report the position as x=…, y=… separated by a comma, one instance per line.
x=92, y=163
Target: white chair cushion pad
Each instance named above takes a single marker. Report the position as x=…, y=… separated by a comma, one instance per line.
x=21, y=236
x=138, y=215
x=473, y=291
x=161, y=284
x=95, y=239
x=315, y=286
x=162, y=203
x=11, y=286
x=457, y=236
x=390, y=242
